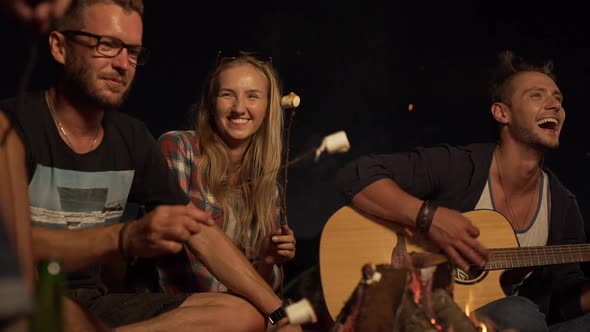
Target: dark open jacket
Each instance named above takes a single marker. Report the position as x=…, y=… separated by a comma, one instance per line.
x=454, y=177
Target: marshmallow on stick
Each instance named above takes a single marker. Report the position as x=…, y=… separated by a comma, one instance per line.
x=334, y=143
x=301, y=312
x=290, y=101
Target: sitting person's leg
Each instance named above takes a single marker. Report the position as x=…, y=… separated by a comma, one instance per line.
x=514, y=312
x=118, y=309
x=221, y=311
x=172, y=312
x=580, y=324
x=79, y=319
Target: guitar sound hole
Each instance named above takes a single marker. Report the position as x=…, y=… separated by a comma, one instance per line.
x=473, y=276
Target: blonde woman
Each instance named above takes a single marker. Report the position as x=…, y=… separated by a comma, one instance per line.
x=229, y=166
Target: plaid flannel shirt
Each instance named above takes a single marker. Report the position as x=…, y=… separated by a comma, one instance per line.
x=183, y=272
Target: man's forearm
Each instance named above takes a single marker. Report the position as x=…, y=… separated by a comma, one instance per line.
x=80, y=248
x=216, y=251
x=385, y=199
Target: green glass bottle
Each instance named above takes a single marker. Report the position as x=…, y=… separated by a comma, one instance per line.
x=48, y=310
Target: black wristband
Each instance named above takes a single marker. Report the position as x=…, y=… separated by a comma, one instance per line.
x=425, y=216
x=277, y=315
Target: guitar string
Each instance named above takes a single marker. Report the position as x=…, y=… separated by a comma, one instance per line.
x=575, y=253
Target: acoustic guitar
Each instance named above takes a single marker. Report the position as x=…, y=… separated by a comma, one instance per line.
x=351, y=239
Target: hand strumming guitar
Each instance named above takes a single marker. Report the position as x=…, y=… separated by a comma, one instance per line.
x=457, y=237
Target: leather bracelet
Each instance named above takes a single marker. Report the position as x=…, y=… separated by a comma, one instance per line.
x=278, y=314
x=425, y=216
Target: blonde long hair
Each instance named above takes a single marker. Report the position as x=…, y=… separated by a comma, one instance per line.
x=257, y=174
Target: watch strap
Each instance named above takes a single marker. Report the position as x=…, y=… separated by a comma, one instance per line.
x=277, y=315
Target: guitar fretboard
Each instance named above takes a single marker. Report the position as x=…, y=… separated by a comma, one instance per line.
x=510, y=258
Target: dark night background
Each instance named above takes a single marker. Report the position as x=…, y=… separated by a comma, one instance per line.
x=356, y=68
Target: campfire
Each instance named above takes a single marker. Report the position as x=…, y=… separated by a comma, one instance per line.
x=415, y=295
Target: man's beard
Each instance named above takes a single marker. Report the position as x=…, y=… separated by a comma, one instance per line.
x=78, y=81
x=531, y=138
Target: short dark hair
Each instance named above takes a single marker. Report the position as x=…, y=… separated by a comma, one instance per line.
x=72, y=19
x=509, y=66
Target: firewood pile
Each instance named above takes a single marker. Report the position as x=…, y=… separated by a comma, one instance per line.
x=415, y=296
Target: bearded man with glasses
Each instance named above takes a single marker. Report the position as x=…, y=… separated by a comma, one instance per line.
x=86, y=163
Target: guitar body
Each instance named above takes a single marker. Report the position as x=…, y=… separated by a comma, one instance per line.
x=351, y=239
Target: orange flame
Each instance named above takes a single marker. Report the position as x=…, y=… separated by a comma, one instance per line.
x=481, y=327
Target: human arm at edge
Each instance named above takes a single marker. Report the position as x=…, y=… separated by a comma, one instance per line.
x=14, y=198
x=230, y=267
x=384, y=198
x=78, y=248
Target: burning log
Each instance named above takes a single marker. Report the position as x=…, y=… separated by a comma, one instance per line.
x=397, y=298
x=449, y=314
x=413, y=318
x=415, y=295
x=429, y=271
x=375, y=302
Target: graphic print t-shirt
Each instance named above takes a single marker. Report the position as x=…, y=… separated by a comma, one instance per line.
x=73, y=191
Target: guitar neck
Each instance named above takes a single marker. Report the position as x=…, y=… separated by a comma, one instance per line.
x=510, y=258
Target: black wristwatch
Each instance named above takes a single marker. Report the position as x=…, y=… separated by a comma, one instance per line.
x=277, y=315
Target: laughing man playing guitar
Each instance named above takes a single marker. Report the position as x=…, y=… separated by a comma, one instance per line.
x=428, y=188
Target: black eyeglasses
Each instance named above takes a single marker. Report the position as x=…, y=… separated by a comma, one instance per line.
x=223, y=56
x=111, y=47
